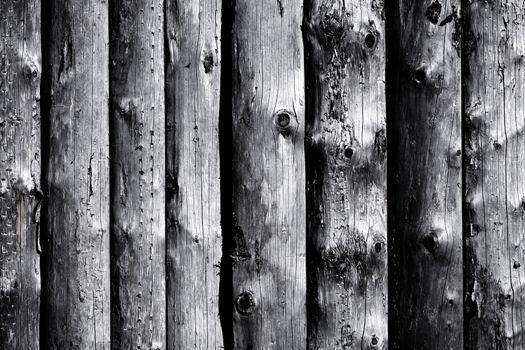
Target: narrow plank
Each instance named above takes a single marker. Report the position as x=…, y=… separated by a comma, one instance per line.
x=194, y=236
x=346, y=181
x=76, y=176
x=494, y=104
x=20, y=71
x=138, y=174
x=268, y=189
x=424, y=186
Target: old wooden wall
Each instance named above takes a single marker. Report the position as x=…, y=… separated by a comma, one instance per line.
x=262, y=174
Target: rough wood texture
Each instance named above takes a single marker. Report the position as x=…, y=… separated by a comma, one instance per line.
x=494, y=104
x=424, y=188
x=77, y=186
x=346, y=162
x=138, y=174
x=194, y=235
x=20, y=71
x=269, y=272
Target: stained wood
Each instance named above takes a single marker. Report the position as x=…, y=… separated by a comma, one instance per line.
x=138, y=174
x=77, y=187
x=346, y=165
x=20, y=196
x=493, y=48
x=424, y=188
x=194, y=235
x=268, y=176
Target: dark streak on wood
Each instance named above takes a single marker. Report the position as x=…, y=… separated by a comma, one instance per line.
x=20, y=196
x=346, y=172
x=194, y=235
x=77, y=171
x=138, y=174
x=424, y=185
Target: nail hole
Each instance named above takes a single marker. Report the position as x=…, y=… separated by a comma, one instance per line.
x=245, y=303
x=370, y=40
x=420, y=76
x=377, y=247
x=348, y=152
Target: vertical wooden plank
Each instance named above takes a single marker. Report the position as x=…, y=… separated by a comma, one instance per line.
x=494, y=104
x=77, y=173
x=138, y=174
x=268, y=190
x=194, y=235
x=20, y=71
x=424, y=189
x=346, y=162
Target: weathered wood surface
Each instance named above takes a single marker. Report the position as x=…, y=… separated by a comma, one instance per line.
x=138, y=174
x=20, y=71
x=194, y=235
x=346, y=164
x=424, y=187
x=77, y=172
x=494, y=48
x=269, y=272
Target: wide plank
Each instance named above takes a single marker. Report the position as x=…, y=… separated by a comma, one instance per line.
x=20, y=194
x=138, y=207
x=268, y=176
x=194, y=234
x=76, y=175
x=346, y=175
x=424, y=176
x=494, y=107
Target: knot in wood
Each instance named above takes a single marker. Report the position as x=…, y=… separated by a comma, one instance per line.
x=370, y=40
x=374, y=341
x=430, y=242
x=348, y=152
x=285, y=122
x=420, y=76
x=245, y=303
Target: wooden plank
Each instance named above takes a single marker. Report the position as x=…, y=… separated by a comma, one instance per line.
x=77, y=171
x=138, y=174
x=494, y=47
x=268, y=176
x=346, y=165
x=20, y=71
x=194, y=235
x=424, y=188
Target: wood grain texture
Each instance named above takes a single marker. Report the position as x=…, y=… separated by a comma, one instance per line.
x=77, y=186
x=138, y=174
x=424, y=188
x=269, y=272
x=194, y=235
x=20, y=71
x=494, y=49
x=346, y=166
